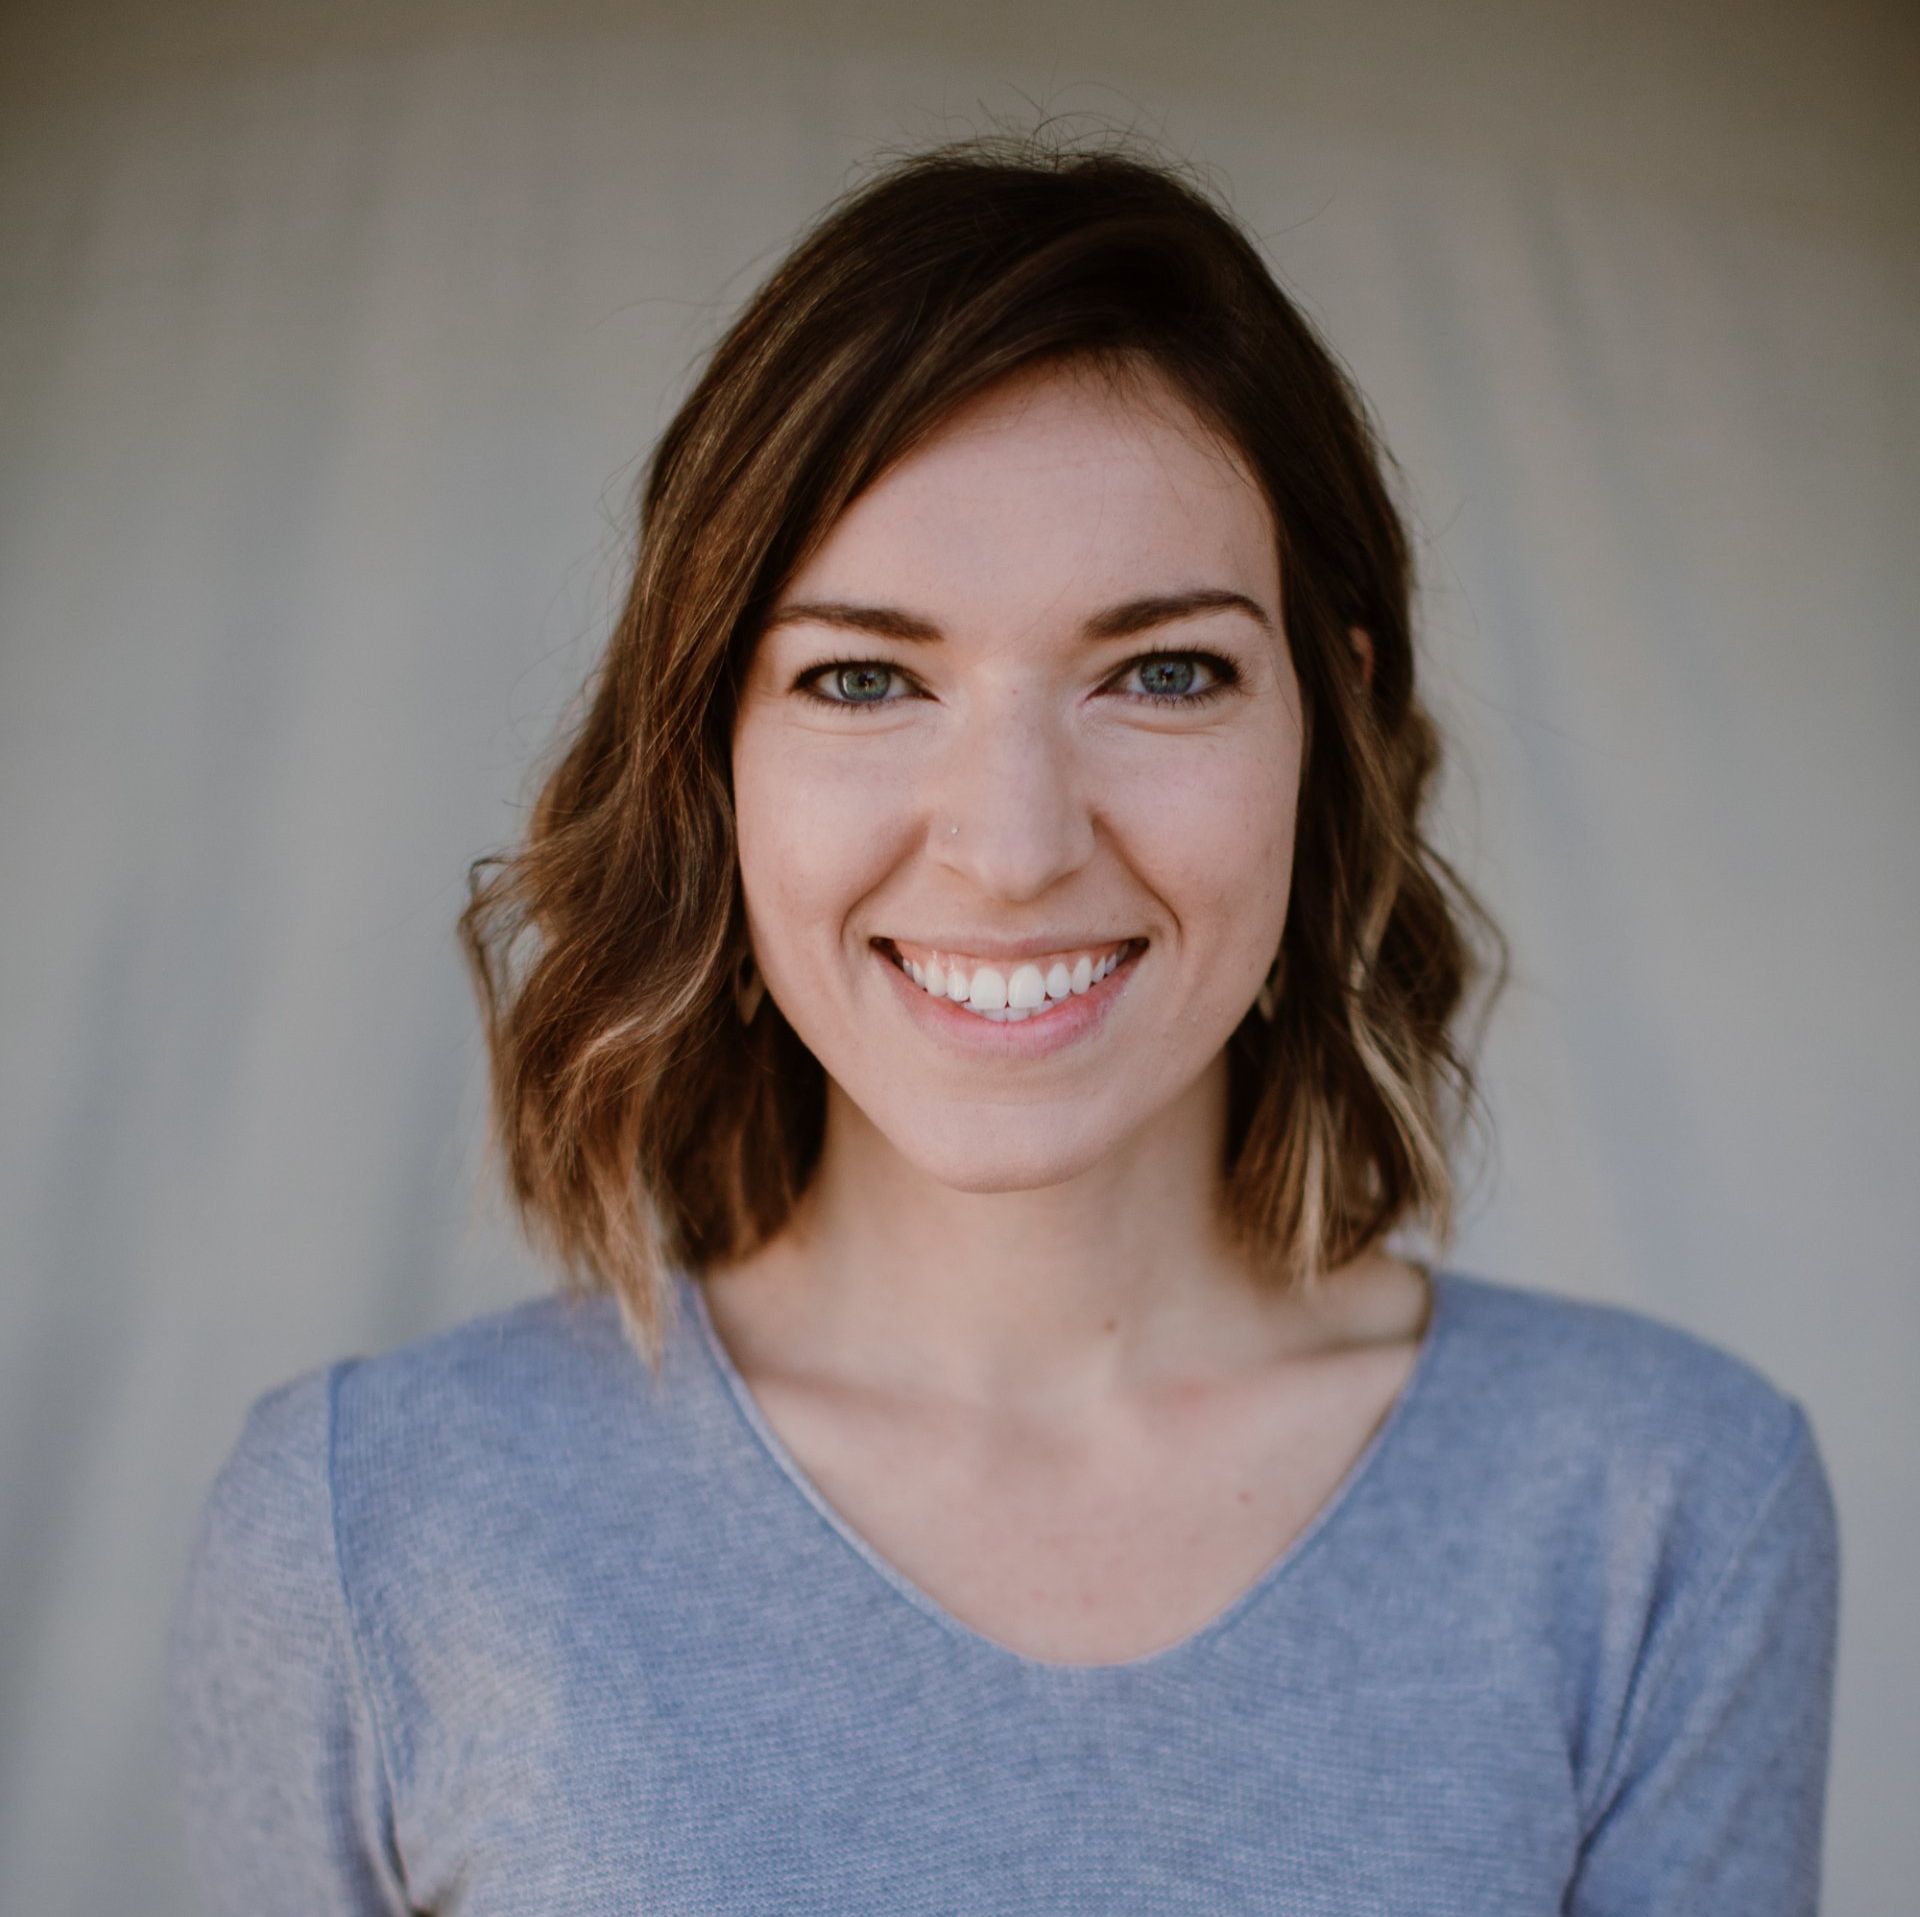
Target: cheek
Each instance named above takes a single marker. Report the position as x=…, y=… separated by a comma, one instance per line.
x=812, y=837
x=1216, y=843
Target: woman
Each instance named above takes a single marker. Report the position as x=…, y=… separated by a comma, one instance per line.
x=973, y=1003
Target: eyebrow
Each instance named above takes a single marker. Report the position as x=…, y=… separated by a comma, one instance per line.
x=1116, y=622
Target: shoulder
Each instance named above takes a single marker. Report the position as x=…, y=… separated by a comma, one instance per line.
x=1624, y=1461
x=505, y=1372
x=1631, y=1471
x=1581, y=1385
x=451, y=1490
x=515, y=1418
x=1661, y=1532
x=507, y=1378
x=429, y=1449
x=1622, y=1497
x=371, y=1511
x=262, y=1549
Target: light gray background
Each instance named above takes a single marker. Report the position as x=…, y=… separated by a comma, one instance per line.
x=333, y=339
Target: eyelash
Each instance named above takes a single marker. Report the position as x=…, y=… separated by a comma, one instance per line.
x=1226, y=678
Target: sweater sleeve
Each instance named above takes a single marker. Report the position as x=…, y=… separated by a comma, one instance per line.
x=1714, y=1801
x=276, y=1751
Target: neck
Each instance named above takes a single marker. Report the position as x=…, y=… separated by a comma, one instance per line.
x=1115, y=1277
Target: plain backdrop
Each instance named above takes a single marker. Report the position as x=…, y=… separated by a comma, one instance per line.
x=334, y=338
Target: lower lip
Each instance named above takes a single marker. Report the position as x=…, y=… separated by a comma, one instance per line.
x=1071, y=1019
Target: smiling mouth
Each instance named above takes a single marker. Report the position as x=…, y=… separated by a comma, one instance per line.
x=1011, y=991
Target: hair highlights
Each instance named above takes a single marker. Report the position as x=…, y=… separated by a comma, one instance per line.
x=641, y=1123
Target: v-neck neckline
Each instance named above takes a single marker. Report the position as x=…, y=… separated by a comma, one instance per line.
x=1366, y=1464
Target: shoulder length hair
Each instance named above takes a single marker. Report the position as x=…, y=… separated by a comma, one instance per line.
x=642, y=1124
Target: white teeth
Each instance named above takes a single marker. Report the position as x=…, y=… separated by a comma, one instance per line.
x=988, y=992
x=1026, y=988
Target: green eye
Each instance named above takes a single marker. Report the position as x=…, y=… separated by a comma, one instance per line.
x=861, y=685
x=854, y=682
x=1168, y=678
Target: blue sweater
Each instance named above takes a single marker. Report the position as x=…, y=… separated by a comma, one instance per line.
x=494, y=1625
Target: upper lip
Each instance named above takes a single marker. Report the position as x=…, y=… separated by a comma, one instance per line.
x=1012, y=950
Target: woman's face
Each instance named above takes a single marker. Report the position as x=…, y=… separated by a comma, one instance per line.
x=978, y=644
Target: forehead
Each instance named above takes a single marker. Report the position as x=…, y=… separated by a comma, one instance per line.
x=1060, y=480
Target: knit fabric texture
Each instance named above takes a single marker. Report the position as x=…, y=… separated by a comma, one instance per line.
x=499, y=1625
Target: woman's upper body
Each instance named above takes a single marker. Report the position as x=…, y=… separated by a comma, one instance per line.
x=1014, y=705
x=502, y=1622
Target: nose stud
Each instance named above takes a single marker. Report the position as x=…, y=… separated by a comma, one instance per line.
x=952, y=830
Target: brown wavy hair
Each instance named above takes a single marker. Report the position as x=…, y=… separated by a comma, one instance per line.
x=642, y=1124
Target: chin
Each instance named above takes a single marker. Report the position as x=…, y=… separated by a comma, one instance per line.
x=1011, y=1156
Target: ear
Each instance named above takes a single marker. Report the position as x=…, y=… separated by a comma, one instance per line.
x=1363, y=645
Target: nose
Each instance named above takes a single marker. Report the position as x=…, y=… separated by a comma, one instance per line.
x=1009, y=777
